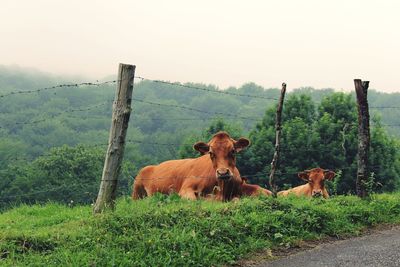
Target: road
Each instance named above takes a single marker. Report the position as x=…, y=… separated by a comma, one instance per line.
x=381, y=248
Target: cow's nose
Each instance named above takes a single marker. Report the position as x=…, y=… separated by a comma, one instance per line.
x=223, y=173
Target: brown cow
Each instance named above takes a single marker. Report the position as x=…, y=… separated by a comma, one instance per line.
x=192, y=178
x=315, y=186
x=253, y=190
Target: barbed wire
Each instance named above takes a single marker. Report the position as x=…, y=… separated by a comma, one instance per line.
x=141, y=101
x=63, y=186
x=52, y=116
x=192, y=109
x=206, y=119
x=82, y=185
x=143, y=142
x=393, y=107
x=58, y=86
x=146, y=102
x=206, y=89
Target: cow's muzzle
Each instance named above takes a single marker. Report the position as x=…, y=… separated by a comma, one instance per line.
x=224, y=174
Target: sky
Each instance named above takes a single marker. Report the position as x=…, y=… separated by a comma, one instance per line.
x=318, y=43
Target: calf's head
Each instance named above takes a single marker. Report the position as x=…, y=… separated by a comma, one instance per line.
x=316, y=179
x=222, y=150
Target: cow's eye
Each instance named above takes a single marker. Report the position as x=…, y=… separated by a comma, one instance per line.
x=212, y=155
x=233, y=152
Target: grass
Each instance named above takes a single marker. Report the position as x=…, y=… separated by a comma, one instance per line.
x=168, y=231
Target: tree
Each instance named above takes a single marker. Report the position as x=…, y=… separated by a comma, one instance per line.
x=384, y=159
x=297, y=120
x=65, y=174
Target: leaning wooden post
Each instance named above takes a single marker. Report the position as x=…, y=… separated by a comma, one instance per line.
x=278, y=129
x=363, y=137
x=116, y=141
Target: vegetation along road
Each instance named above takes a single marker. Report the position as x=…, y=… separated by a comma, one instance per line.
x=378, y=249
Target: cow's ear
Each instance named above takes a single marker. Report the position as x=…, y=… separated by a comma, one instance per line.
x=202, y=147
x=329, y=175
x=241, y=144
x=304, y=175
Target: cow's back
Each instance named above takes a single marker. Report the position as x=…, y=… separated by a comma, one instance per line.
x=170, y=176
x=302, y=190
x=254, y=190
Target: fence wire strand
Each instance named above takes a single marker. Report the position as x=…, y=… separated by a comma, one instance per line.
x=206, y=89
x=19, y=92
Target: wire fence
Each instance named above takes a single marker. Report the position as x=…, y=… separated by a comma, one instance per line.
x=161, y=105
x=66, y=85
x=48, y=190
x=70, y=186
x=52, y=116
x=45, y=117
x=207, y=89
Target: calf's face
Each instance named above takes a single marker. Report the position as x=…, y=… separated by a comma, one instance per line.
x=222, y=150
x=316, y=179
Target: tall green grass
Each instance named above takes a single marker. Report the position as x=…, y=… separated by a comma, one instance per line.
x=168, y=231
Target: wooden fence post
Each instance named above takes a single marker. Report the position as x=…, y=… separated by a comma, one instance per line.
x=363, y=137
x=116, y=141
x=278, y=129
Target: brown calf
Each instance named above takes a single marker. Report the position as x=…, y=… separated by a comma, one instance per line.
x=315, y=186
x=253, y=190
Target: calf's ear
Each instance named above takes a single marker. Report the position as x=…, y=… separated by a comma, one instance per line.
x=241, y=144
x=304, y=175
x=202, y=147
x=329, y=175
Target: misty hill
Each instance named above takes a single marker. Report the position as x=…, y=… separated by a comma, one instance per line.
x=71, y=115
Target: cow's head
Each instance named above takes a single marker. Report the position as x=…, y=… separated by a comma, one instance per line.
x=316, y=179
x=222, y=150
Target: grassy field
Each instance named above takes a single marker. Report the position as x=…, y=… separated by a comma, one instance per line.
x=168, y=231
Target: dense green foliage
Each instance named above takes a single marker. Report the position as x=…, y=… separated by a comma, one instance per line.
x=53, y=140
x=325, y=136
x=168, y=231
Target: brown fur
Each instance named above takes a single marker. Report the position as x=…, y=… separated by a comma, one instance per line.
x=253, y=190
x=195, y=177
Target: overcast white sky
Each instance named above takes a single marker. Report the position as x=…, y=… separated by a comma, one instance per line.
x=304, y=43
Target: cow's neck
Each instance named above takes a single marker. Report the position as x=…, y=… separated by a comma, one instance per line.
x=228, y=189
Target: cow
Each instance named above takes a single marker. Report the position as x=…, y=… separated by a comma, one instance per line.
x=196, y=177
x=315, y=186
x=253, y=190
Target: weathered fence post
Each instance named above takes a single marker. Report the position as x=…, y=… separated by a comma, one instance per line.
x=278, y=129
x=116, y=141
x=363, y=137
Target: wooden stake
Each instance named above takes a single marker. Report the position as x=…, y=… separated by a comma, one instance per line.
x=116, y=142
x=278, y=129
x=363, y=137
